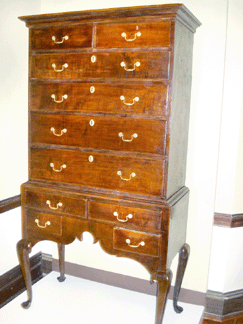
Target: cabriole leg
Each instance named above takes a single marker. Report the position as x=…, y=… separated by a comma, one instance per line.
x=23, y=250
x=61, y=253
x=164, y=281
x=183, y=258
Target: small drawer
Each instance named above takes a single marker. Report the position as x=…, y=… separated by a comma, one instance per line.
x=42, y=223
x=137, y=242
x=131, y=216
x=99, y=132
x=60, y=38
x=132, y=99
x=128, y=65
x=56, y=202
x=133, y=35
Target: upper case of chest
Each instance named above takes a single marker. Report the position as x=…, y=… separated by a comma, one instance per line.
x=107, y=102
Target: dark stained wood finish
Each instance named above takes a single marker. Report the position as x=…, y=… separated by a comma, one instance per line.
x=150, y=34
x=78, y=37
x=153, y=65
x=98, y=132
x=10, y=203
x=105, y=98
x=101, y=173
x=96, y=89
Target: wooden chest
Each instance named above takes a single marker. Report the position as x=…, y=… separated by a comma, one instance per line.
x=109, y=98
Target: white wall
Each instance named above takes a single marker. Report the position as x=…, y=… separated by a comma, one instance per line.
x=206, y=104
x=226, y=259
x=14, y=94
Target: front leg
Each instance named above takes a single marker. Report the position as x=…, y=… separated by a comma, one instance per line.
x=23, y=250
x=164, y=281
x=183, y=258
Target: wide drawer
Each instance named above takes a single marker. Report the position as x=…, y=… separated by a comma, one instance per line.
x=120, y=214
x=128, y=65
x=132, y=99
x=56, y=201
x=98, y=132
x=60, y=37
x=92, y=169
x=134, y=241
x=133, y=34
x=42, y=223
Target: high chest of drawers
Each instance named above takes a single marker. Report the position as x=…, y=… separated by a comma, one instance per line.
x=109, y=97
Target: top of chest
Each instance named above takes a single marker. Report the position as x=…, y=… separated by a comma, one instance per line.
x=145, y=26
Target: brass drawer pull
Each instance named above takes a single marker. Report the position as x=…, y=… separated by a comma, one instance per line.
x=49, y=204
x=46, y=224
x=58, y=101
x=63, y=131
x=136, y=99
x=62, y=167
x=123, y=64
x=129, y=216
x=63, y=39
x=135, y=135
x=132, y=175
x=131, y=39
x=128, y=241
x=64, y=66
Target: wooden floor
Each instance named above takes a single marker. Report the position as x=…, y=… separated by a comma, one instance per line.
x=233, y=320
x=82, y=301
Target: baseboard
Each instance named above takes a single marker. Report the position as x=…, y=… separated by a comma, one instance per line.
x=126, y=282
x=222, y=307
x=12, y=282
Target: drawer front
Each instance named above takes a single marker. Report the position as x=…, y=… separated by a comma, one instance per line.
x=92, y=169
x=128, y=65
x=134, y=241
x=132, y=99
x=56, y=202
x=97, y=132
x=60, y=38
x=42, y=223
x=133, y=35
x=118, y=214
